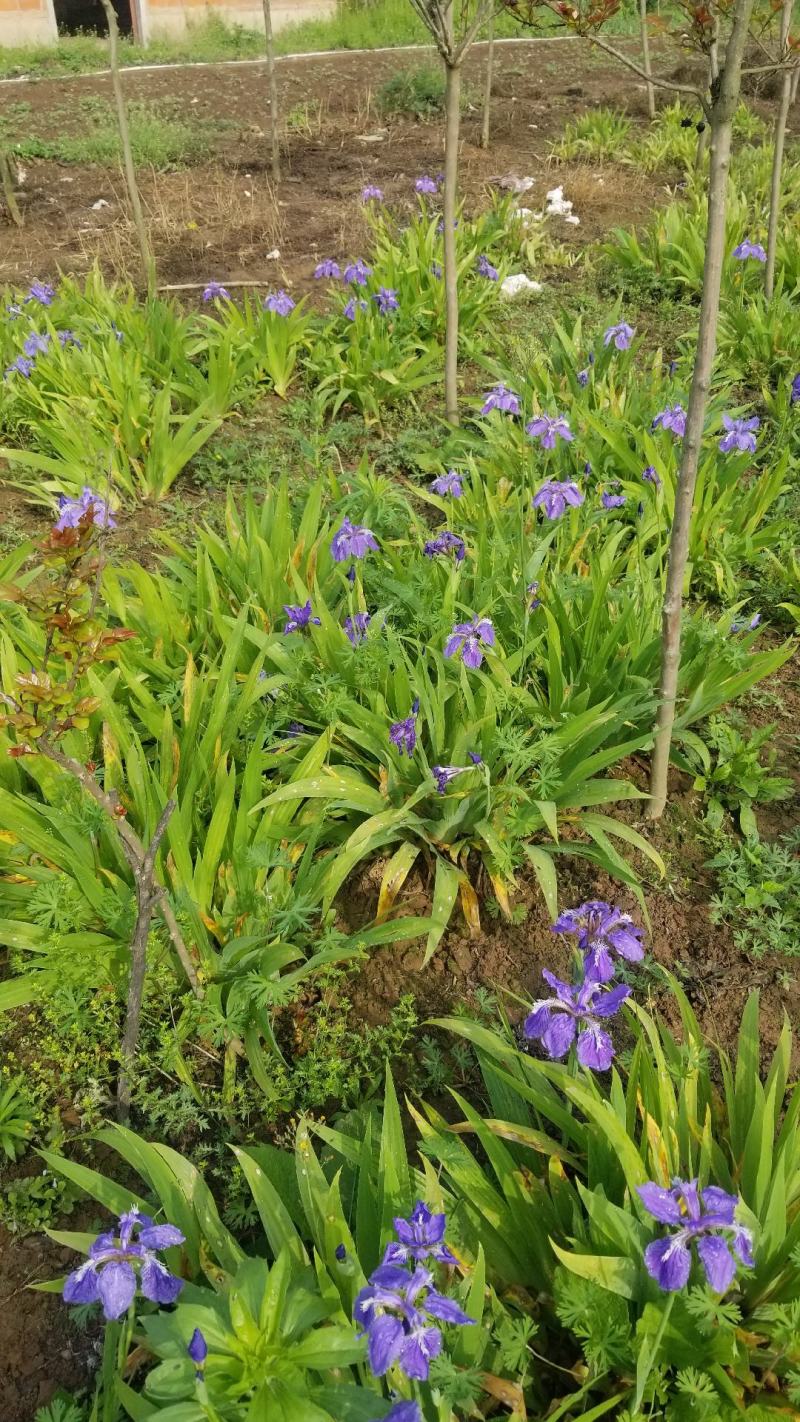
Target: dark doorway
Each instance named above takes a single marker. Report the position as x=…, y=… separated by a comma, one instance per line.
x=87, y=17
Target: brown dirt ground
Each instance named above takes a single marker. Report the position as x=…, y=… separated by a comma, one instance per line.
x=219, y=220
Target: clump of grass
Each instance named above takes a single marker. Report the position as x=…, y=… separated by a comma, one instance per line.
x=418, y=92
x=159, y=137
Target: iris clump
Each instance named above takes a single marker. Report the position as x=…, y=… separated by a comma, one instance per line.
x=750, y=626
x=603, y=932
x=673, y=418
x=298, y=617
x=446, y=542
x=399, y=1310
x=450, y=483
x=21, y=366
x=357, y=272
x=468, y=639
x=279, y=302
x=41, y=292
x=369, y=193
x=353, y=305
x=72, y=511
x=403, y=734
x=36, y=345
x=748, y=250
x=622, y=334
x=120, y=1262
x=485, y=269
x=426, y=185
x=576, y=1011
x=705, y=1218
x=548, y=429
x=355, y=627
x=352, y=540
x=501, y=398
x=651, y=477
x=327, y=268
x=443, y=774
x=386, y=300
x=215, y=291
x=554, y=496
x=612, y=501
x=740, y=435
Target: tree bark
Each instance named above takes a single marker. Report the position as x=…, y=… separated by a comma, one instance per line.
x=725, y=95
x=272, y=84
x=146, y=901
x=7, y=180
x=777, y=156
x=487, y=90
x=648, y=68
x=452, y=123
x=146, y=251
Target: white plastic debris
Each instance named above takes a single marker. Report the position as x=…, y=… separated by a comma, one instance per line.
x=101, y=203
x=526, y=215
x=557, y=204
x=573, y=220
x=272, y=256
x=518, y=284
x=513, y=184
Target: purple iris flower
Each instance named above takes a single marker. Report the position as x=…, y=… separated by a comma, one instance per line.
x=475, y=757
x=20, y=366
x=501, y=398
x=340, y=1253
x=396, y=1311
x=672, y=418
x=216, y=292
x=426, y=184
x=704, y=1217
x=795, y=390
x=549, y=428
x=352, y=540
x=651, y=477
x=533, y=594
x=450, y=483
x=554, y=1021
x=419, y=1238
x=485, y=269
x=280, y=302
x=436, y=270
x=68, y=338
x=622, y=334
x=467, y=640
x=440, y=224
x=197, y=1348
x=356, y=627
x=404, y=1412
x=445, y=543
x=740, y=436
x=109, y=1275
x=554, y=496
x=327, y=268
x=71, y=511
x=443, y=774
x=42, y=292
x=352, y=306
x=369, y=193
x=298, y=616
x=747, y=249
x=583, y=376
x=750, y=626
x=386, y=300
x=36, y=344
x=357, y=272
x=612, y=501
x=602, y=931
x=403, y=734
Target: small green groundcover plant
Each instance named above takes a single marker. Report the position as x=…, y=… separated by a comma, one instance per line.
x=622, y=1240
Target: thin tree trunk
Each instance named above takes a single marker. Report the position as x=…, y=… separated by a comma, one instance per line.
x=648, y=69
x=705, y=134
x=148, y=260
x=7, y=180
x=795, y=85
x=723, y=108
x=487, y=91
x=452, y=122
x=777, y=156
x=146, y=901
x=272, y=83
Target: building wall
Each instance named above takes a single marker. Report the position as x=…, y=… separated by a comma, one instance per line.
x=170, y=17
x=27, y=22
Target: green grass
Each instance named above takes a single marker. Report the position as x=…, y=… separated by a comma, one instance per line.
x=160, y=138
x=354, y=26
